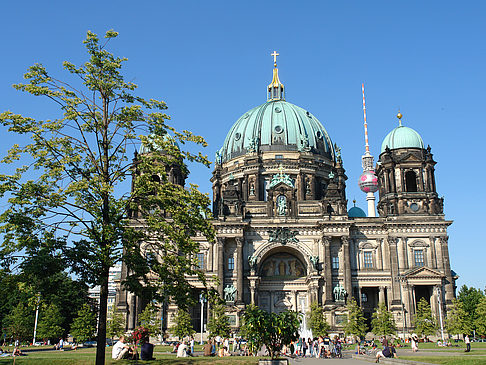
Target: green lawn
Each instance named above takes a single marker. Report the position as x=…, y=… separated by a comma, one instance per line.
x=87, y=356
x=448, y=360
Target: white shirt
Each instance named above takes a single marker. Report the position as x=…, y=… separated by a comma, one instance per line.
x=181, y=351
x=117, y=349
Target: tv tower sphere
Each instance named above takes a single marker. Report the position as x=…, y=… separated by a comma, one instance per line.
x=368, y=182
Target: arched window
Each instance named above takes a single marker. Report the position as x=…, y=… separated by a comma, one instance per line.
x=411, y=181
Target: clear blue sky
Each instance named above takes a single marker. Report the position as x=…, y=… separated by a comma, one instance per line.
x=210, y=61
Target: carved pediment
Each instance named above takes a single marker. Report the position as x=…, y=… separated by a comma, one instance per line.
x=423, y=272
x=282, y=185
x=418, y=244
x=410, y=157
x=367, y=245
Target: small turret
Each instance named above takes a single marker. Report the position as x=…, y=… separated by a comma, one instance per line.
x=276, y=90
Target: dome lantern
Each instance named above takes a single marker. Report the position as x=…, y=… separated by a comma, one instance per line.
x=276, y=90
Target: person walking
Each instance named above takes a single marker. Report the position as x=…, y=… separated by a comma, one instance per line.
x=468, y=343
x=414, y=343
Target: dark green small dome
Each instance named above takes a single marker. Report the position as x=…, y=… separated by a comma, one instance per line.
x=356, y=212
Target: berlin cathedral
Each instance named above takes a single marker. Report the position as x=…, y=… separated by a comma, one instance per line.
x=284, y=235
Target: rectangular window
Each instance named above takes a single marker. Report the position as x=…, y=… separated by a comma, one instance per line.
x=368, y=259
x=279, y=157
x=231, y=263
x=419, y=257
x=200, y=261
x=364, y=298
x=335, y=263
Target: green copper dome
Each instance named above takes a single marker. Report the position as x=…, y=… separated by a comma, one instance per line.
x=402, y=137
x=276, y=125
x=356, y=212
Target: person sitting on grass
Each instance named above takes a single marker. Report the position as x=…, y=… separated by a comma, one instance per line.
x=147, y=350
x=208, y=349
x=122, y=351
x=17, y=352
x=223, y=352
x=182, y=350
x=387, y=352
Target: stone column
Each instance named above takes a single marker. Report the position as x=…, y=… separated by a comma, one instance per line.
x=433, y=253
x=239, y=270
x=392, y=249
x=449, y=286
x=253, y=287
x=221, y=265
x=347, y=266
x=381, y=294
x=380, y=254
x=326, y=242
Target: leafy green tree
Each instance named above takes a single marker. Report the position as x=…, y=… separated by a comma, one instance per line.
x=383, y=323
x=182, y=325
x=84, y=325
x=150, y=319
x=316, y=320
x=116, y=323
x=19, y=323
x=470, y=298
x=50, y=323
x=481, y=317
x=457, y=322
x=218, y=324
x=270, y=329
x=68, y=177
x=425, y=324
x=355, y=323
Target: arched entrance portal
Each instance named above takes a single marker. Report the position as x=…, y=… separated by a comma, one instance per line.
x=283, y=281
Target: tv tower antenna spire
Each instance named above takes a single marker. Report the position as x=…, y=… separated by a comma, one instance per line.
x=368, y=182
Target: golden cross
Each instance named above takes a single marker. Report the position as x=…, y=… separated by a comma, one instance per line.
x=280, y=169
x=275, y=54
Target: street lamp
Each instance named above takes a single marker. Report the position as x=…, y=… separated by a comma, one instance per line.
x=440, y=313
x=202, y=299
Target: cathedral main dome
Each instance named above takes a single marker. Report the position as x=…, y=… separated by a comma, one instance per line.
x=277, y=125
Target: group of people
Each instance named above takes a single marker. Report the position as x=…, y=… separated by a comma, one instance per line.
x=15, y=352
x=318, y=347
x=121, y=350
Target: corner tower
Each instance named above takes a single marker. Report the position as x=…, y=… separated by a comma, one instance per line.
x=406, y=175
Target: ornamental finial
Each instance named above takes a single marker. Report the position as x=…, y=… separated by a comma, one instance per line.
x=399, y=116
x=275, y=89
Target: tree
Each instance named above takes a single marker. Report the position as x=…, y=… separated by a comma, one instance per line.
x=355, y=323
x=19, y=323
x=470, y=298
x=50, y=323
x=116, y=324
x=457, y=322
x=150, y=319
x=68, y=182
x=84, y=326
x=480, y=323
x=316, y=320
x=383, y=323
x=183, y=326
x=424, y=322
x=270, y=329
x=218, y=324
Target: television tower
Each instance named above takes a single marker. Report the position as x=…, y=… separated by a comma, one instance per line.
x=368, y=182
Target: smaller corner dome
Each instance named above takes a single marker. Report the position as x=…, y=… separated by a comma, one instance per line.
x=402, y=137
x=356, y=212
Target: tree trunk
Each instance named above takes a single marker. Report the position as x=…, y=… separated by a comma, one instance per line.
x=101, y=340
